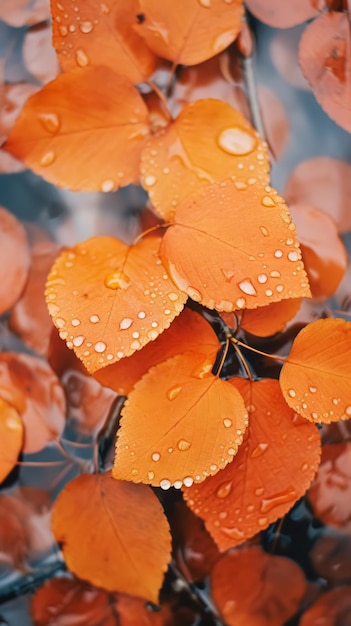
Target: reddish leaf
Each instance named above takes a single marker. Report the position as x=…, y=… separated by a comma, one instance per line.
x=29, y=317
x=31, y=387
x=226, y=267
x=283, y=15
x=189, y=430
x=188, y=332
x=126, y=302
x=252, y=587
x=15, y=257
x=23, y=12
x=209, y=141
x=333, y=607
x=261, y=484
x=316, y=376
x=323, y=183
x=133, y=612
x=190, y=31
x=38, y=55
x=271, y=319
x=11, y=436
x=79, y=29
x=325, y=59
x=95, y=151
x=330, y=556
x=323, y=252
x=274, y=119
x=118, y=547
x=330, y=492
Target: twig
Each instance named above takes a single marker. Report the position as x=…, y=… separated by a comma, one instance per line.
x=107, y=434
x=251, y=90
x=30, y=582
x=197, y=595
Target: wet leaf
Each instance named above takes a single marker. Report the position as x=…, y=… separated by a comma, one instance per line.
x=79, y=29
x=110, y=313
x=38, y=55
x=252, y=587
x=271, y=471
x=118, y=547
x=323, y=252
x=279, y=15
x=31, y=387
x=330, y=492
x=188, y=332
x=189, y=430
x=316, y=376
x=225, y=267
x=209, y=141
x=84, y=130
x=191, y=31
x=11, y=438
x=323, y=183
x=325, y=60
x=333, y=607
x=19, y=13
x=15, y=257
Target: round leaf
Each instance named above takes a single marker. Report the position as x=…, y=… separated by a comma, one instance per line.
x=331, y=608
x=279, y=15
x=11, y=437
x=15, y=257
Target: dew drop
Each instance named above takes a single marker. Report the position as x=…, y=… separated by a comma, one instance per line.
x=177, y=484
x=59, y=322
x=152, y=334
x=86, y=27
x=50, y=121
x=292, y=393
x=259, y=450
x=150, y=475
x=117, y=280
x=63, y=30
x=233, y=533
x=188, y=481
x=173, y=392
x=135, y=345
x=194, y=294
x=269, y=293
x=141, y=315
x=236, y=140
x=165, y=484
x=155, y=456
x=172, y=296
x=247, y=287
x=293, y=255
x=48, y=158
x=81, y=58
x=150, y=180
x=283, y=497
x=100, y=346
x=228, y=274
x=227, y=422
x=78, y=341
x=262, y=278
x=107, y=185
x=262, y=521
x=183, y=445
x=224, y=490
x=313, y=389
x=125, y=323
x=267, y=201
x=264, y=231
x=259, y=491
x=278, y=254
x=240, y=303
x=94, y=319
x=348, y=410
x=205, y=3
x=75, y=322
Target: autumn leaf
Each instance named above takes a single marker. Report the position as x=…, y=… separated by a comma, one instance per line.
x=19, y=13
x=188, y=332
x=279, y=15
x=316, y=376
x=127, y=301
x=189, y=430
x=79, y=28
x=273, y=468
x=190, y=31
x=38, y=55
x=325, y=60
x=84, y=130
x=114, y=534
x=270, y=319
x=208, y=142
x=15, y=257
x=332, y=607
x=11, y=438
x=330, y=556
x=252, y=587
x=248, y=258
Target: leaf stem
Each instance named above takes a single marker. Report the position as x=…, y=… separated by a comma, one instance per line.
x=251, y=91
x=236, y=341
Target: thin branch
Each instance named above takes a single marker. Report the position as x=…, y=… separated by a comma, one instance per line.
x=198, y=596
x=251, y=90
x=30, y=582
x=107, y=434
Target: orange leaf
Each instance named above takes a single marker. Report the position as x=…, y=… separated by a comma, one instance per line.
x=190, y=31
x=190, y=429
x=127, y=301
x=330, y=609
x=330, y=492
x=209, y=141
x=84, y=130
x=330, y=556
x=114, y=534
x=282, y=15
x=271, y=319
x=316, y=376
x=235, y=249
x=188, y=332
x=15, y=257
x=325, y=59
x=323, y=252
x=11, y=437
x=31, y=387
x=261, y=484
x=253, y=588
x=88, y=33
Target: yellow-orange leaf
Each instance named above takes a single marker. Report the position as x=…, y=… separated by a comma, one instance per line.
x=114, y=534
x=253, y=588
x=189, y=430
x=11, y=438
x=270, y=319
x=233, y=248
x=316, y=376
x=84, y=130
x=86, y=32
x=189, y=331
x=108, y=299
x=189, y=31
x=208, y=142
x=273, y=468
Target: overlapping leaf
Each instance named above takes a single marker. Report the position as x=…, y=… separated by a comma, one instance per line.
x=189, y=331
x=19, y=13
x=208, y=142
x=189, y=430
x=84, y=130
x=109, y=299
x=227, y=267
x=86, y=32
x=11, y=437
x=279, y=15
x=114, y=534
x=316, y=376
x=271, y=319
x=272, y=469
x=333, y=607
x=190, y=31
x=15, y=257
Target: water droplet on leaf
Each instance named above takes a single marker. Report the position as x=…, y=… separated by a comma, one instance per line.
x=236, y=141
